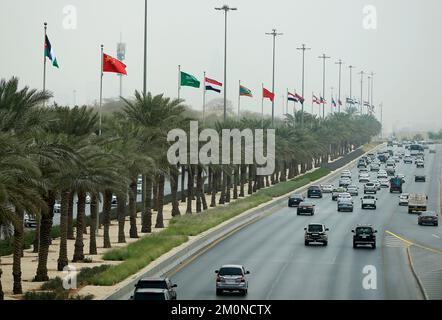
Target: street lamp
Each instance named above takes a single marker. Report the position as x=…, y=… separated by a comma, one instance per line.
x=303, y=48
x=323, y=57
x=340, y=63
x=225, y=8
x=274, y=34
x=350, y=68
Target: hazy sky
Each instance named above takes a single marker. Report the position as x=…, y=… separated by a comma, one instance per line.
x=402, y=51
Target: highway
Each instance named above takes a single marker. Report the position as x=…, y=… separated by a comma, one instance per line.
x=283, y=268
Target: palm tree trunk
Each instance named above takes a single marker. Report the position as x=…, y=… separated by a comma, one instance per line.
x=45, y=238
x=18, y=251
x=228, y=186
x=201, y=188
x=242, y=180
x=93, y=226
x=214, y=189
x=222, y=198
x=107, y=204
x=70, y=235
x=121, y=215
x=79, y=245
x=155, y=194
x=160, y=220
x=2, y=295
x=147, y=221
x=63, y=250
x=183, y=174
x=133, y=232
x=190, y=190
x=235, y=181
x=36, y=242
x=209, y=180
x=173, y=191
x=250, y=180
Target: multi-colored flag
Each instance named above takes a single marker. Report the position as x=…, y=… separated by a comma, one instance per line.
x=322, y=100
x=188, y=80
x=316, y=100
x=49, y=52
x=111, y=64
x=268, y=94
x=243, y=91
x=333, y=102
x=213, y=85
x=292, y=97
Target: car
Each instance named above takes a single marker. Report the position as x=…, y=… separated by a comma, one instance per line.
x=295, y=199
x=391, y=171
x=363, y=171
x=344, y=182
x=403, y=199
x=316, y=232
x=370, y=187
x=232, y=277
x=420, y=178
x=306, y=208
x=364, y=235
x=408, y=160
x=346, y=174
x=383, y=157
x=353, y=190
x=382, y=175
x=345, y=205
x=114, y=201
x=364, y=178
x=139, y=188
x=336, y=192
x=428, y=218
x=375, y=167
x=346, y=171
x=368, y=202
x=344, y=196
x=29, y=221
x=385, y=183
x=420, y=164
x=157, y=283
x=327, y=188
x=314, y=192
x=151, y=294
x=57, y=208
x=362, y=164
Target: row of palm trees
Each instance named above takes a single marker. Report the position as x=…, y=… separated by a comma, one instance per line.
x=56, y=154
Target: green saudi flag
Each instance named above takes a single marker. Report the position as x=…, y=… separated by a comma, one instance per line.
x=189, y=80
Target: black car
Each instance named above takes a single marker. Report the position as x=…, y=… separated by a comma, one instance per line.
x=295, y=200
x=314, y=192
x=306, y=208
x=364, y=235
x=156, y=283
x=316, y=232
x=428, y=218
x=420, y=178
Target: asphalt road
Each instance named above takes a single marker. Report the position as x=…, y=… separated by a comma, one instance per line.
x=283, y=268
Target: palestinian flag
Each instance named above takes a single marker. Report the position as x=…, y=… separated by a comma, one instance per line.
x=243, y=91
x=49, y=52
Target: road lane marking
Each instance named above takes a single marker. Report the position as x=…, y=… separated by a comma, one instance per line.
x=410, y=243
x=435, y=235
x=399, y=237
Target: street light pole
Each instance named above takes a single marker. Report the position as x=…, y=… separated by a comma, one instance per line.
x=350, y=68
x=225, y=8
x=340, y=63
x=323, y=57
x=274, y=34
x=303, y=48
x=362, y=82
x=145, y=51
x=371, y=92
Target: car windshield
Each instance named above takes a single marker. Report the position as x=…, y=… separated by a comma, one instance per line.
x=364, y=230
x=230, y=271
x=152, y=284
x=315, y=228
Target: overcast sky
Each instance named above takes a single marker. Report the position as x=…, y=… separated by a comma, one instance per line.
x=402, y=51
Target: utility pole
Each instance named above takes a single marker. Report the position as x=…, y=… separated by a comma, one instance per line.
x=350, y=68
x=368, y=89
x=303, y=48
x=362, y=82
x=323, y=57
x=382, y=122
x=340, y=63
x=274, y=34
x=226, y=9
x=372, y=82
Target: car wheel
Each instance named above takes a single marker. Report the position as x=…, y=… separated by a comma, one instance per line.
x=325, y=243
x=306, y=243
x=218, y=292
x=419, y=223
x=355, y=245
x=374, y=207
x=373, y=245
x=244, y=292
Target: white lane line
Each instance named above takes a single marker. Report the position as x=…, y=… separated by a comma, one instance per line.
x=436, y=236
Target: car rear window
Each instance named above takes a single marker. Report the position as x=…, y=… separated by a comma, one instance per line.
x=363, y=230
x=315, y=228
x=149, y=296
x=152, y=284
x=230, y=271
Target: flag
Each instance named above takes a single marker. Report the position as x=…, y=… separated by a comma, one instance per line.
x=316, y=100
x=322, y=100
x=366, y=104
x=333, y=102
x=340, y=102
x=111, y=64
x=300, y=98
x=49, y=52
x=349, y=101
x=243, y=91
x=188, y=80
x=292, y=97
x=213, y=85
x=267, y=94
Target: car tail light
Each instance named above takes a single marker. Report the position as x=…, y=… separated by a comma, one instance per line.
x=219, y=279
x=243, y=279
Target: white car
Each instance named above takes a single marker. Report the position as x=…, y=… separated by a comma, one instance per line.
x=368, y=201
x=364, y=178
x=363, y=170
x=382, y=175
x=344, y=196
x=403, y=199
x=57, y=208
x=385, y=183
x=327, y=188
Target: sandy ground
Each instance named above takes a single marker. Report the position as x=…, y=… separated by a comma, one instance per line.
x=30, y=260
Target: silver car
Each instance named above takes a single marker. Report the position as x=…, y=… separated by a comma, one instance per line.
x=232, y=277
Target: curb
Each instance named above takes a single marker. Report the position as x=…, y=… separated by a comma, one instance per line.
x=421, y=286
x=201, y=243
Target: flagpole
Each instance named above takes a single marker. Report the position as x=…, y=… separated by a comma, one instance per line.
x=262, y=106
x=179, y=80
x=101, y=90
x=204, y=98
x=44, y=61
x=287, y=102
x=239, y=98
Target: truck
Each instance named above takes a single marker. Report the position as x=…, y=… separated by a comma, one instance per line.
x=396, y=184
x=417, y=202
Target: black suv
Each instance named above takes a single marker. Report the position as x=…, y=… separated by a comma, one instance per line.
x=306, y=208
x=364, y=235
x=156, y=283
x=295, y=200
x=314, y=192
x=316, y=232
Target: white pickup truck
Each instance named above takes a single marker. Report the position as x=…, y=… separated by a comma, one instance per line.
x=368, y=202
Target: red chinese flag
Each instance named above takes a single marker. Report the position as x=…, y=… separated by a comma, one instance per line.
x=111, y=64
x=267, y=94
